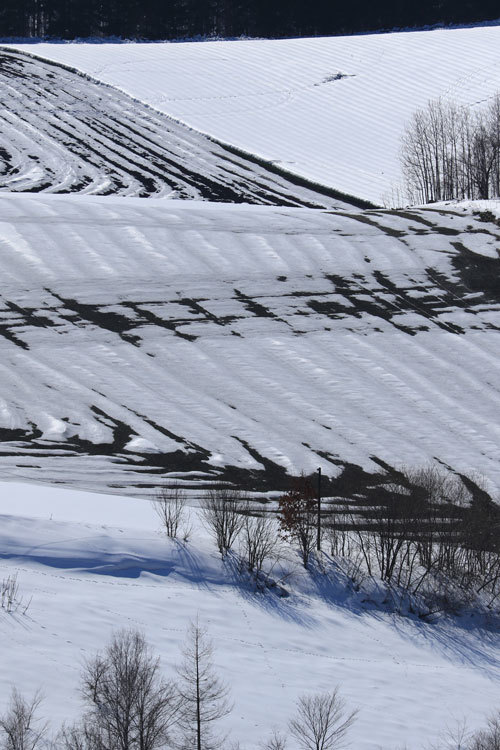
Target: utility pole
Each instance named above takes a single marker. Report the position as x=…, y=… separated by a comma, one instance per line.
x=318, y=540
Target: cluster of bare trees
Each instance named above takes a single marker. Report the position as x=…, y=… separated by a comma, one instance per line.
x=458, y=737
x=432, y=543
x=449, y=152
x=130, y=706
x=232, y=521
x=128, y=703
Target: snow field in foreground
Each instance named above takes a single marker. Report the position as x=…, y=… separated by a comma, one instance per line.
x=95, y=563
x=330, y=109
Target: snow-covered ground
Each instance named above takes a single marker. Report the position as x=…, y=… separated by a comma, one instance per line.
x=331, y=109
x=144, y=338
x=149, y=340
x=63, y=133
x=94, y=563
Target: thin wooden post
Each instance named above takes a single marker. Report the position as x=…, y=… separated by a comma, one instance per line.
x=318, y=540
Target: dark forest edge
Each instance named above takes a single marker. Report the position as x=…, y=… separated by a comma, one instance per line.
x=184, y=19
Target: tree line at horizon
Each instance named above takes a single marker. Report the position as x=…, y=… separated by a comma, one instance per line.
x=171, y=19
x=452, y=152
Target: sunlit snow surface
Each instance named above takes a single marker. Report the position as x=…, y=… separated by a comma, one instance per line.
x=144, y=338
x=95, y=563
x=63, y=133
x=332, y=109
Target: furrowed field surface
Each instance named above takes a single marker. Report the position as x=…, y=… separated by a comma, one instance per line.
x=144, y=339
x=61, y=132
x=330, y=109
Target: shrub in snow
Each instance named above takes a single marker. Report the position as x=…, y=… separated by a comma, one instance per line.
x=221, y=509
x=10, y=600
x=321, y=722
x=20, y=727
x=170, y=506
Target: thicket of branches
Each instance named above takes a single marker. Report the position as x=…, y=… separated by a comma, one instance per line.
x=433, y=543
x=449, y=152
x=431, y=537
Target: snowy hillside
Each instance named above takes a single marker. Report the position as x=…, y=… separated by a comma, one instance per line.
x=140, y=339
x=331, y=109
x=184, y=342
x=95, y=563
x=61, y=132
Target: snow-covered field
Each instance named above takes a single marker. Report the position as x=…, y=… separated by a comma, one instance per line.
x=63, y=133
x=153, y=341
x=331, y=109
x=94, y=563
x=142, y=338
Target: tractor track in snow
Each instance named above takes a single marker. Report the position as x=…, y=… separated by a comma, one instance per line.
x=62, y=132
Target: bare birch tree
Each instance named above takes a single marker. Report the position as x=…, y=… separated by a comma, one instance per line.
x=170, y=507
x=258, y=540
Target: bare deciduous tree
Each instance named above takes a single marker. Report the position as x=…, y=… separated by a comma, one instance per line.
x=170, y=507
x=297, y=516
x=20, y=726
x=322, y=721
x=452, y=152
x=258, y=540
x=487, y=739
x=203, y=696
x=455, y=737
x=276, y=741
x=221, y=508
x=131, y=707
x=84, y=735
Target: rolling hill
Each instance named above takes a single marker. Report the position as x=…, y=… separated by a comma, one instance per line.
x=329, y=109
x=149, y=339
x=156, y=328
x=64, y=133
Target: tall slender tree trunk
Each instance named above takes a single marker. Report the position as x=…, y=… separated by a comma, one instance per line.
x=198, y=697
